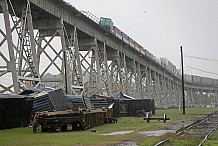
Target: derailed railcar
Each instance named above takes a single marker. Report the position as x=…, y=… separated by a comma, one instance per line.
x=126, y=106
x=15, y=111
x=69, y=120
x=96, y=118
x=59, y=121
x=54, y=100
x=69, y=112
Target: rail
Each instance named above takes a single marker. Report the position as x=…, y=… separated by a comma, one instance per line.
x=206, y=137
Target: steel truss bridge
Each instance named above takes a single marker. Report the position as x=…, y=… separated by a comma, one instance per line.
x=39, y=37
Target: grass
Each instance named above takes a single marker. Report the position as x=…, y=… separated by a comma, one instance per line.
x=25, y=136
x=185, y=141
x=213, y=141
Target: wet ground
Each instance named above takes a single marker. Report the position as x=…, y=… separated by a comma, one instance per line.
x=118, y=133
x=157, y=132
x=128, y=143
x=169, y=129
x=144, y=133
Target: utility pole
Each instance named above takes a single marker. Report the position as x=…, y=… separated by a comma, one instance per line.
x=183, y=89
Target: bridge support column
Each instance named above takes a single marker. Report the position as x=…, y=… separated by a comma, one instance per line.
x=136, y=94
x=132, y=76
x=139, y=82
x=178, y=96
x=26, y=58
x=149, y=82
x=171, y=97
x=191, y=95
x=56, y=63
x=74, y=64
x=158, y=98
x=152, y=83
x=144, y=90
x=167, y=92
x=196, y=96
x=10, y=67
x=165, y=98
x=161, y=91
x=187, y=96
x=124, y=75
x=105, y=70
x=118, y=73
x=174, y=93
x=65, y=67
x=202, y=101
x=95, y=77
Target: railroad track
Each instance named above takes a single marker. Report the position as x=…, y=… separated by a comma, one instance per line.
x=202, y=129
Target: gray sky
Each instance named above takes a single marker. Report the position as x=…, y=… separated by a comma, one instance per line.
x=162, y=26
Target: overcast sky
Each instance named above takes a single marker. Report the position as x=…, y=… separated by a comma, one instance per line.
x=162, y=26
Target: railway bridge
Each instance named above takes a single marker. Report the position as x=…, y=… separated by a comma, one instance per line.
x=51, y=43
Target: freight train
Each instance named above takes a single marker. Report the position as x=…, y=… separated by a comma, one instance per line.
x=164, y=62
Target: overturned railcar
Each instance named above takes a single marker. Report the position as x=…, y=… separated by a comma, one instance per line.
x=125, y=106
x=69, y=120
x=15, y=110
x=67, y=113
x=54, y=100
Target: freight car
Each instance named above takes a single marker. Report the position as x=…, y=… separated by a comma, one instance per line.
x=131, y=107
x=128, y=106
x=201, y=80
x=168, y=65
x=59, y=121
x=15, y=110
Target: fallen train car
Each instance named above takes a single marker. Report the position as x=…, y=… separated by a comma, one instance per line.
x=70, y=120
x=124, y=106
x=15, y=110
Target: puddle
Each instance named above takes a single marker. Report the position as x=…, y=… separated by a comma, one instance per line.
x=118, y=133
x=127, y=144
x=157, y=133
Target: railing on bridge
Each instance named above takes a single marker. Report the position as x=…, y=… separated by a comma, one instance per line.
x=91, y=16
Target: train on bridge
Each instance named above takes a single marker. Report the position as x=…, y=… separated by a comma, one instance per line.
x=109, y=25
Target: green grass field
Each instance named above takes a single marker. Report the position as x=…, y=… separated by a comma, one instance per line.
x=25, y=136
